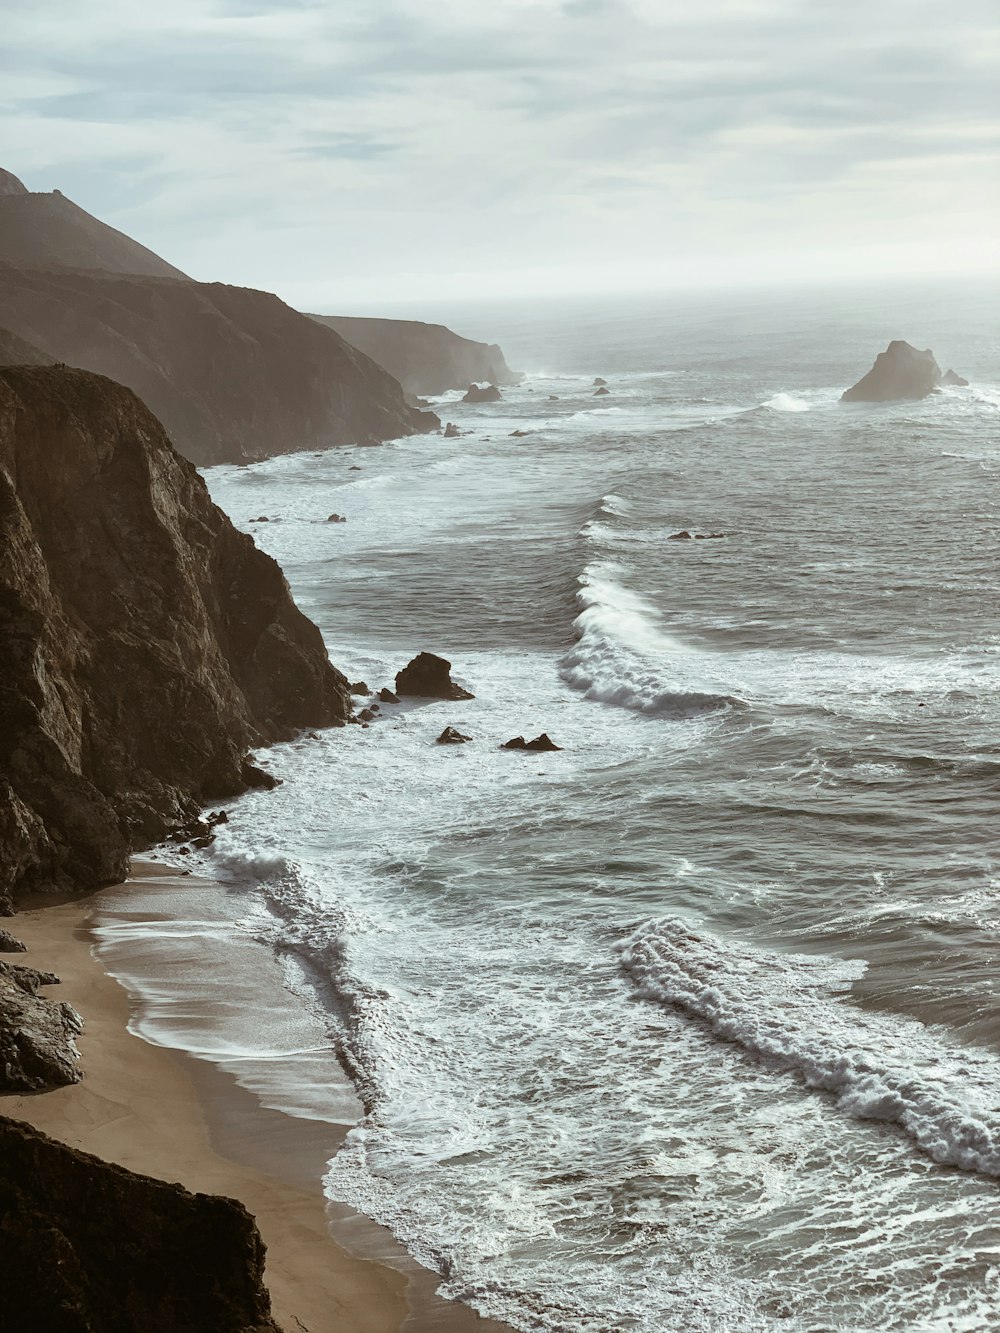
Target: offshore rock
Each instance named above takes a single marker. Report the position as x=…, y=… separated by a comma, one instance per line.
x=482, y=394
x=87, y=1246
x=145, y=643
x=429, y=677
x=900, y=373
x=387, y=696
x=451, y=736
x=954, y=380
x=542, y=742
x=601, y=392
x=599, y=383
x=37, y=1036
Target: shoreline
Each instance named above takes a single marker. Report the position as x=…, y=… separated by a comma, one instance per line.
x=174, y=1116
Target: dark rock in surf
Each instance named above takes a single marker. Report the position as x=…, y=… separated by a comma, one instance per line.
x=451, y=431
x=387, y=696
x=359, y=687
x=542, y=742
x=601, y=393
x=450, y=736
x=553, y=398
x=599, y=383
x=428, y=676
x=336, y=518
x=366, y=715
x=477, y=393
x=683, y=536
x=708, y=536
x=263, y=518
x=901, y=373
x=954, y=380
x=519, y=434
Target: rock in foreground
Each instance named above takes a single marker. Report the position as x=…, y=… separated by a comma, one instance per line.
x=429, y=677
x=900, y=373
x=37, y=1036
x=87, y=1246
x=145, y=643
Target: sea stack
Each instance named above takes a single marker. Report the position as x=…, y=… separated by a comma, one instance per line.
x=900, y=373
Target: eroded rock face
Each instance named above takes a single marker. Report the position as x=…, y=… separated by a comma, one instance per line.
x=425, y=358
x=37, y=1036
x=86, y=1246
x=145, y=643
x=900, y=373
x=429, y=677
x=233, y=374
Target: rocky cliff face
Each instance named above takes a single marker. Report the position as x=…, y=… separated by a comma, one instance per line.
x=43, y=230
x=86, y=1246
x=144, y=642
x=425, y=358
x=232, y=373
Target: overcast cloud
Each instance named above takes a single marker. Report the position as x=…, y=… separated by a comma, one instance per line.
x=354, y=152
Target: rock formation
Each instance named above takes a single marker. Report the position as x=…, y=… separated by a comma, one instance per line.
x=601, y=392
x=49, y=230
x=542, y=742
x=233, y=374
x=86, y=1246
x=37, y=1036
x=145, y=643
x=452, y=736
x=425, y=358
x=488, y=393
x=429, y=677
x=900, y=373
x=599, y=383
x=953, y=379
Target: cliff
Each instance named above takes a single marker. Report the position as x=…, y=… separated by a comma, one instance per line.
x=86, y=1245
x=145, y=643
x=233, y=373
x=425, y=358
x=44, y=230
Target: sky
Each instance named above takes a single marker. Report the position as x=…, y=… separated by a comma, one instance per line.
x=355, y=154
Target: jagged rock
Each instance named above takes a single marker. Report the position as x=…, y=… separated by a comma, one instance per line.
x=425, y=358
x=599, y=383
x=451, y=431
x=8, y=944
x=429, y=677
x=600, y=393
x=37, y=1036
x=86, y=1246
x=336, y=518
x=366, y=715
x=387, y=696
x=900, y=373
x=359, y=687
x=257, y=779
x=145, y=643
x=262, y=518
x=479, y=394
x=450, y=736
x=219, y=816
x=952, y=378
x=542, y=742
x=683, y=536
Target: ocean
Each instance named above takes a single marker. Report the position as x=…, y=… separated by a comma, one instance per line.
x=693, y=1024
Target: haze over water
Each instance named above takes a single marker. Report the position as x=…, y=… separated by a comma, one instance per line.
x=693, y=1024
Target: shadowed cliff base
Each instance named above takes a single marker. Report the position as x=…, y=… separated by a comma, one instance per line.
x=145, y=643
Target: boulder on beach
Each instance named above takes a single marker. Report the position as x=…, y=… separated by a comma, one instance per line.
x=451, y=736
x=542, y=742
x=428, y=676
x=488, y=393
x=900, y=373
x=955, y=380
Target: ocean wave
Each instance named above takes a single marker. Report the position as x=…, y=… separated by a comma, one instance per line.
x=786, y=402
x=782, y=1010
x=622, y=657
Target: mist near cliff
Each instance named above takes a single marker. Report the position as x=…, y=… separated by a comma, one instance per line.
x=399, y=148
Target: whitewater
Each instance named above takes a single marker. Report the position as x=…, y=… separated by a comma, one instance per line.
x=691, y=1025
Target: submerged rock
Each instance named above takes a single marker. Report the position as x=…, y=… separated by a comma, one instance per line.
x=450, y=736
x=429, y=677
x=477, y=393
x=682, y=536
x=336, y=518
x=900, y=373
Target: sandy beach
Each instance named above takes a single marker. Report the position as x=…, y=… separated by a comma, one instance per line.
x=167, y=1115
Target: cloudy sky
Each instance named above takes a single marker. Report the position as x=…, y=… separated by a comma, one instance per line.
x=368, y=152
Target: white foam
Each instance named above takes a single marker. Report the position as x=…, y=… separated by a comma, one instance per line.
x=786, y=402
x=781, y=1010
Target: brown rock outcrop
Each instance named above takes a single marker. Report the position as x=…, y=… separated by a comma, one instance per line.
x=233, y=374
x=86, y=1246
x=37, y=1036
x=477, y=393
x=425, y=358
x=900, y=373
x=145, y=643
x=428, y=676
